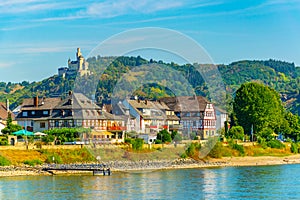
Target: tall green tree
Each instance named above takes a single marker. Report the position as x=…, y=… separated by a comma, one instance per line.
x=258, y=105
x=10, y=127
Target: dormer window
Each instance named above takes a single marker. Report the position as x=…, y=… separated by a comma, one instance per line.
x=45, y=112
x=25, y=114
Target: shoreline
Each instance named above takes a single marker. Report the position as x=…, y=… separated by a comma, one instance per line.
x=144, y=165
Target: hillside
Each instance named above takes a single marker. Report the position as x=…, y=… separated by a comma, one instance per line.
x=282, y=76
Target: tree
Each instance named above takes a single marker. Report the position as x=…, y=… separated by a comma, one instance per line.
x=164, y=136
x=10, y=127
x=258, y=105
x=291, y=127
x=236, y=132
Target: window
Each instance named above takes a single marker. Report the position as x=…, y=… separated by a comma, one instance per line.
x=56, y=124
x=25, y=114
x=42, y=125
x=45, y=112
x=33, y=112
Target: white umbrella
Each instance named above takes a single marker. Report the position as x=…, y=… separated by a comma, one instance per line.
x=40, y=134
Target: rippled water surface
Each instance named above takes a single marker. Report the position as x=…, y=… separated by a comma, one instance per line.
x=268, y=182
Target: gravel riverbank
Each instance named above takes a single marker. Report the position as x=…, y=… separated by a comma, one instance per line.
x=145, y=165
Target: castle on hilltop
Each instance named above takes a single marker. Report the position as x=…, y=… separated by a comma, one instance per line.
x=80, y=66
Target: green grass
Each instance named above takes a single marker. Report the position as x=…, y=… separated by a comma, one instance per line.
x=4, y=161
x=33, y=162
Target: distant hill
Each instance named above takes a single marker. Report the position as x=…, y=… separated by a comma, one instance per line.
x=284, y=77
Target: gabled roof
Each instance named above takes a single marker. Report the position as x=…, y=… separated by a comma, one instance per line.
x=3, y=112
x=186, y=103
x=77, y=101
x=157, y=109
x=82, y=108
x=43, y=104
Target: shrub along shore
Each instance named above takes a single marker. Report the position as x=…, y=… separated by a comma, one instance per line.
x=16, y=162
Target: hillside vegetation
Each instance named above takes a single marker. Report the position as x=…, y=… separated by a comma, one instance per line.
x=110, y=71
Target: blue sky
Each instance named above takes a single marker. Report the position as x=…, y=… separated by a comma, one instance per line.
x=38, y=36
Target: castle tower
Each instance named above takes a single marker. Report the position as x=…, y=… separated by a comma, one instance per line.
x=78, y=54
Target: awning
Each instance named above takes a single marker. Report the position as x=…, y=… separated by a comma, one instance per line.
x=40, y=134
x=23, y=132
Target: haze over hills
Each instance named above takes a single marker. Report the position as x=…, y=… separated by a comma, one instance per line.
x=284, y=77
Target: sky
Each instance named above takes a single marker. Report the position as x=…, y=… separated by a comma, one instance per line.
x=39, y=36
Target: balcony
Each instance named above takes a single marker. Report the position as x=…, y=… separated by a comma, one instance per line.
x=116, y=128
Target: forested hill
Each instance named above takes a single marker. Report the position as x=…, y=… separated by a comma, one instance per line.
x=284, y=77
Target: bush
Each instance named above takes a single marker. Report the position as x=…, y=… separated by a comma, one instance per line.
x=137, y=144
x=236, y=132
x=33, y=162
x=216, y=151
x=294, y=148
x=4, y=161
x=183, y=155
x=164, y=136
x=239, y=148
x=127, y=140
x=262, y=142
x=193, y=150
x=157, y=141
x=275, y=144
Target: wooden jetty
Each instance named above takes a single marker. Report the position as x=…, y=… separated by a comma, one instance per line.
x=97, y=169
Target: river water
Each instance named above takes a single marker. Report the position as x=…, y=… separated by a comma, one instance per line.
x=262, y=182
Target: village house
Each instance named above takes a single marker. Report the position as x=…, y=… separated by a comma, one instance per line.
x=35, y=112
x=120, y=110
x=150, y=116
x=196, y=114
x=222, y=117
x=76, y=110
x=79, y=111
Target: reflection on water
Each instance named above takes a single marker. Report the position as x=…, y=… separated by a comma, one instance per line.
x=270, y=182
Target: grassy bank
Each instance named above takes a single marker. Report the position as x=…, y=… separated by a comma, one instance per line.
x=33, y=157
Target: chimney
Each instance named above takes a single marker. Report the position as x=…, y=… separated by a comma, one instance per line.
x=36, y=101
x=7, y=105
x=43, y=101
